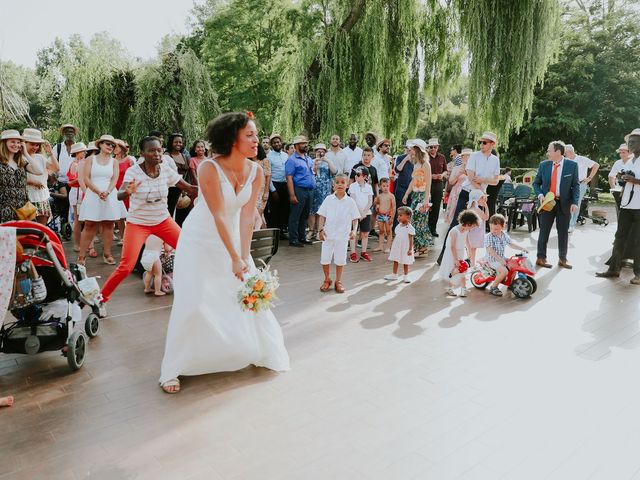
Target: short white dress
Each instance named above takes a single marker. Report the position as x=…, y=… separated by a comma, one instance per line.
x=447, y=259
x=94, y=209
x=401, y=244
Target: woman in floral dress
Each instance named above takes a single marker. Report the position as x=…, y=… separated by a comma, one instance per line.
x=420, y=186
x=324, y=170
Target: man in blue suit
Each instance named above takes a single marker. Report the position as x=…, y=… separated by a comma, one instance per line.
x=560, y=176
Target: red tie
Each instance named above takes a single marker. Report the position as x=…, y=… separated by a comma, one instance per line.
x=554, y=178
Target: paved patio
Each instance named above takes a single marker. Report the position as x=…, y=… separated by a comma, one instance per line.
x=389, y=381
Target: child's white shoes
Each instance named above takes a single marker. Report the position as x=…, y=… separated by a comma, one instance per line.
x=391, y=276
x=406, y=279
x=463, y=292
x=450, y=293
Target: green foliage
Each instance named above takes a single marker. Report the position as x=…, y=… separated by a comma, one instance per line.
x=510, y=46
x=589, y=97
x=247, y=45
x=173, y=95
x=15, y=83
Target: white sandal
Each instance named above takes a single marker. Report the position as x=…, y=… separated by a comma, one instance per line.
x=171, y=383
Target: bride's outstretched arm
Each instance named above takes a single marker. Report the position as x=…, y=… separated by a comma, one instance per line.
x=247, y=214
x=212, y=193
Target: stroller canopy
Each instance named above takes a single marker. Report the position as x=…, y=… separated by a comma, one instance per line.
x=32, y=240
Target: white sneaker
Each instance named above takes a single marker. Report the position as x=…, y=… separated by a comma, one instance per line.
x=463, y=292
x=450, y=293
x=406, y=279
x=391, y=276
x=571, y=229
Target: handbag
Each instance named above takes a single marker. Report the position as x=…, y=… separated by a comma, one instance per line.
x=26, y=212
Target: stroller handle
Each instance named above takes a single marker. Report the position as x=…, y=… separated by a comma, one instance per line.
x=31, y=231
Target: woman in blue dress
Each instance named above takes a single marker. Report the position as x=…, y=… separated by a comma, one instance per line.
x=324, y=170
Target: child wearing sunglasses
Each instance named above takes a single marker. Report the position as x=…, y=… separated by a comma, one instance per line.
x=362, y=193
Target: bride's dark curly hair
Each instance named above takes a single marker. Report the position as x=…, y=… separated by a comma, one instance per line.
x=223, y=131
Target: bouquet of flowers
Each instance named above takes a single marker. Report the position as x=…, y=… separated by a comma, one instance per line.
x=259, y=290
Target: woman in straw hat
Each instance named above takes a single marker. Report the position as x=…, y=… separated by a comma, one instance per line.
x=100, y=206
x=37, y=189
x=420, y=191
x=15, y=162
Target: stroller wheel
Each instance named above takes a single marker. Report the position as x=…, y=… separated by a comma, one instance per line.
x=92, y=325
x=76, y=350
x=67, y=231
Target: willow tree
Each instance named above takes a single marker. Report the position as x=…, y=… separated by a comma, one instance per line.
x=369, y=62
x=174, y=94
x=98, y=92
x=14, y=109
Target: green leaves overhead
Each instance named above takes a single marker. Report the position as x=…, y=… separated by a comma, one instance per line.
x=510, y=45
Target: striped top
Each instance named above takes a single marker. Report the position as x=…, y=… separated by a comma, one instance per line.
x=148, y=205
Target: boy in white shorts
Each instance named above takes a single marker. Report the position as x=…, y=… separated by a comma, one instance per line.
x=495, y=242
x=338, y=223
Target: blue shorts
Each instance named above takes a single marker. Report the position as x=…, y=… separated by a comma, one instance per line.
x=383, y=218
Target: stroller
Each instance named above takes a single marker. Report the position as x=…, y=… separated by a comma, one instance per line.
x=47, y=299
x=59, y=221
x=584, y=209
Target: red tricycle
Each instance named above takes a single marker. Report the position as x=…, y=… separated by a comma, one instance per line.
x=519, y=278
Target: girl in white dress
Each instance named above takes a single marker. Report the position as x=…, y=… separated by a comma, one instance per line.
x=100, y=205
x=402, y=246
x=454, y=252
x=208, y=331
x=37, y=189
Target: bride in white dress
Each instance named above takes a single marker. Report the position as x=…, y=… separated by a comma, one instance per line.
x=208, y=331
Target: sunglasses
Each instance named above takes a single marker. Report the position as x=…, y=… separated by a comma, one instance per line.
x=359, y=174
x=484, y=142
x=432, y=147
x=109, y=144
x=156, y=199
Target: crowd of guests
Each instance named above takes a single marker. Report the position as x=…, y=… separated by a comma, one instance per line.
x=340, y=195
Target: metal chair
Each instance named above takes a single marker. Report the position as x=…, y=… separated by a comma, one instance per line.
x=264, y=244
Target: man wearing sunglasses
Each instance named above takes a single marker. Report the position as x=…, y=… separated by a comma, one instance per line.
x=438, y=176
x=381, y=159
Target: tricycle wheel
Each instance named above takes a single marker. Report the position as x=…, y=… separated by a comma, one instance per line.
x=522, y=287
x=476, y=281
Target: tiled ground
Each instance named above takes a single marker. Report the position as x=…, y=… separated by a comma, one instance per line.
x=389, y=381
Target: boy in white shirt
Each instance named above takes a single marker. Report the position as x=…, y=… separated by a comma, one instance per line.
x=362, y=193
x=337, y=223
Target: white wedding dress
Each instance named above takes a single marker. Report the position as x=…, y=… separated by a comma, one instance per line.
x=208, y=332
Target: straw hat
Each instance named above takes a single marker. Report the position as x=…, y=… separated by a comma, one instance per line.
x=32, y=135
x=274, y=135
x=92, y=146
x=105, y=138
x=320, y=146
x=375, y=136
x=492, y=137
x=433, y=142
x=10, y=134
x=382, y=141
x=421, y=144
x=409, y=143
x=548, y=202
x=68, y=125
x=466, y=151
x=299, y=139
x=635, y=132
x=122, y=143
x=78, y=147
x=623, y=146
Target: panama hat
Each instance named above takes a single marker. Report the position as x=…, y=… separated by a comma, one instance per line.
x=382, y=141
x=68, y=125
x=375, y=136
x=548, y=202
x=320, y=146
x=78, y=147
x=466, y=151
x=433, y=142
x=299, y=139
x=421, y=144
x=122, y=143
x=409, y=143
x=623, y=146
x=32, y=135
x=635, y=132
x=273, y=136
x=92, y=146
x=10, y=134
x=492, y=137
x=105, y=138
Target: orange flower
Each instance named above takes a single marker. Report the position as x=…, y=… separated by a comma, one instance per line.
x=267, y=296
x=259, y=285
x=250, y=299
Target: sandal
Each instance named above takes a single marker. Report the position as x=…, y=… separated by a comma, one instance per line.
x=326, y=285
x=339, y=288
x=171, y=386
x=108, y=259
x=92, y=252
x=81, y=261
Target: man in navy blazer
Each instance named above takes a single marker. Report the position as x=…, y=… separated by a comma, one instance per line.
x=560, y=175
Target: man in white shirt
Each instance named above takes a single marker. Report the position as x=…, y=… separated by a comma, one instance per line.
x=628, y=230
x=382, y=159
x=62, y=150
x=584, y=176
x=353, y=153
x=337, y=155
x=618, y=166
